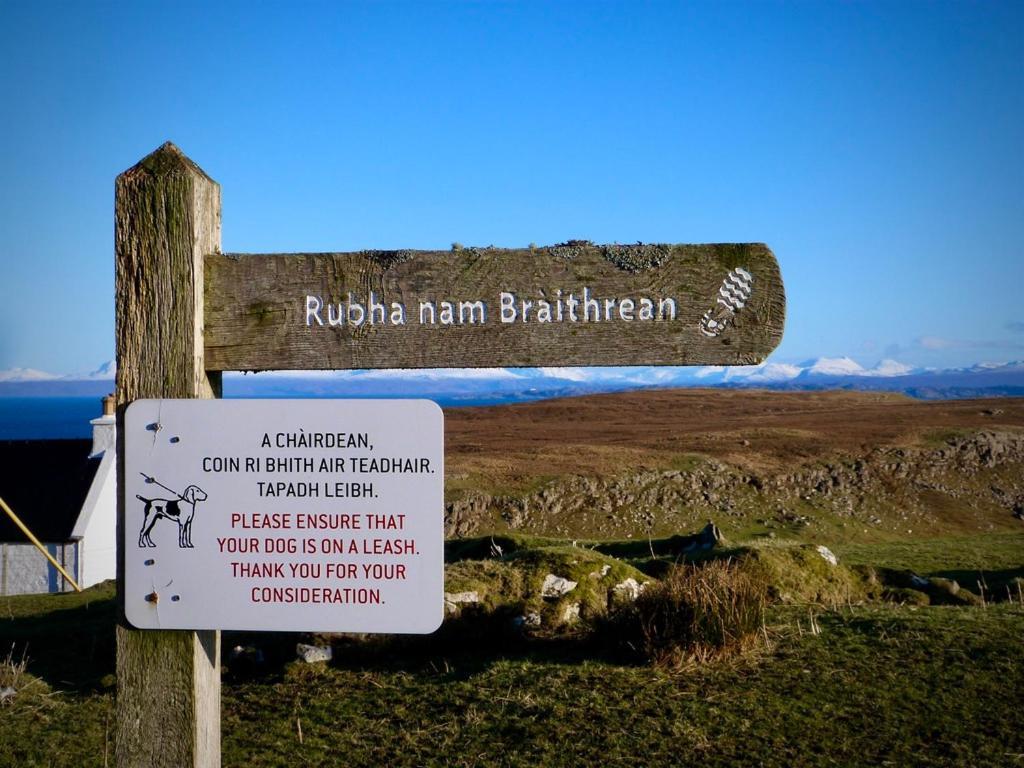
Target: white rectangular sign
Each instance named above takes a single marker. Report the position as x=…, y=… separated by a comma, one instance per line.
x=298, y=515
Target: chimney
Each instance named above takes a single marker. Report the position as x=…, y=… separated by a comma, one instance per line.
x=104, y=429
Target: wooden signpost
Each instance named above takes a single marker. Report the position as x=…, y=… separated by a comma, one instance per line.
x=185, y=312
x=573, y=304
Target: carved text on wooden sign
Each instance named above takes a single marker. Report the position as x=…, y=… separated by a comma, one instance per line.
x=573, y=304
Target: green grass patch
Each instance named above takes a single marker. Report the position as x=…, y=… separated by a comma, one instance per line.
x=876, y=686
x=798, y=573
x=871, y=684
x=67, y=638
x=995, y=560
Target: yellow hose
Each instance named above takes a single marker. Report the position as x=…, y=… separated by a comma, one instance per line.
x=40, y=547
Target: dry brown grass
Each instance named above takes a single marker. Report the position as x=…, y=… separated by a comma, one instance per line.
x=697, y=613
x=12, y=671
x=603, y=434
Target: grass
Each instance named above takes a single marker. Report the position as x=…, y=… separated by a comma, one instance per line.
x=868, y=684
x=876, y=685
x=984, y=553
x=994, y=560
x=696, y=613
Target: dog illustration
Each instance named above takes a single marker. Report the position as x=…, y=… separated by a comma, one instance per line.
x=181, y=510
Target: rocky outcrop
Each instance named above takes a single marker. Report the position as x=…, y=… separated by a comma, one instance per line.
x=626, y=591
x=453, y=600
x=827, y=554
x=555, y=586
x=869, y=488
x=311, y=654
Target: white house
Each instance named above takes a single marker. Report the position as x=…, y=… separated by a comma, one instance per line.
x=65, y=492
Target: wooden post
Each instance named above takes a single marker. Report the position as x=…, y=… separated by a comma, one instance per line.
x=167, y=220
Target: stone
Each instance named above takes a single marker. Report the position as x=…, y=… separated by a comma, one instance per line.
x=628, y=590
x=312, y=654
x=527, y=621
x=6, y=693
x=556, y=586
x=600, y=574
x=949, y=592
x=827, y=554
x=462, y=597
x=571, y=613
x=705, y=539
x=452, y=600
x=919, y=582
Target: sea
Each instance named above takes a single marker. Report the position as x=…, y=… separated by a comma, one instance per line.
x=38, y=418
x=50, y=418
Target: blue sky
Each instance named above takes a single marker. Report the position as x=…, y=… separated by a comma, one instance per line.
x=878, y=148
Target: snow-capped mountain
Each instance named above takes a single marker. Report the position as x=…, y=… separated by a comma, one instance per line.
x=104, y=372
x=833, y=366
x=26, y=374
x=503, y=385
x=28, y=382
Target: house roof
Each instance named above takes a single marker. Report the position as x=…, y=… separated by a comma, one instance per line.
x=45, y=483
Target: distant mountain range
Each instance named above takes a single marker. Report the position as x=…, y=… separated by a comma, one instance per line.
x=501, y=385
x=30, y=375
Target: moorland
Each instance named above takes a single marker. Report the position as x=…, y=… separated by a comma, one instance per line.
x=649, y=578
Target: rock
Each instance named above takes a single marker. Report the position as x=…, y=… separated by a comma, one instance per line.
x=919, y=582
x=452, y=600
x=600, y=574
x=461, y=518
x=556, y=586
x=571, y=613
x=949, y=592
x=705, y=539
x=462, y=597
x=527, y=621
x=856, y=487
x=627, y=591
x=311, y=654
x=6, y=693
x=827, y=554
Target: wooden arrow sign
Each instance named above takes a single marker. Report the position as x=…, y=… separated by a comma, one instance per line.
x=574, y=304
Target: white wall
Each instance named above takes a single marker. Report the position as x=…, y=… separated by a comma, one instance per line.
x=24, y=570
x=97, y=525
x=90, y=559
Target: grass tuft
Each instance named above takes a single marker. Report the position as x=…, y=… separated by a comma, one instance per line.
x=696, y=614
x=12, y=673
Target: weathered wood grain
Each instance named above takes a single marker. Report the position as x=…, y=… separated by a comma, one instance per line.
x=256, y=312
x=167, y=218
